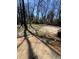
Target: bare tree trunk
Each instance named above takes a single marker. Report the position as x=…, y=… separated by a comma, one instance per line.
x=24, y=20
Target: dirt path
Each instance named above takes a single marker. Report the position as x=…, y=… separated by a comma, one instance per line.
x=22, y=50
x=41, y=50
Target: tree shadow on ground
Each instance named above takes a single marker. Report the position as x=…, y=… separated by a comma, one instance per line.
x=31, y=54
x=30, y=50
x=46, y=44
x=20, y=43
x=33, y=28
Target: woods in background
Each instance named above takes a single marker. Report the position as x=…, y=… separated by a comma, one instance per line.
x=39, y=11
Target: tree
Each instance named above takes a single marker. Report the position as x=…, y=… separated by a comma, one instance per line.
x=50, y=17
x=22, y=15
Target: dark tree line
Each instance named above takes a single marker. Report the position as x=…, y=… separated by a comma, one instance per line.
x=38, y=12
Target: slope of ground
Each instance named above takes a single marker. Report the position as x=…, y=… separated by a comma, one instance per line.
x=42, y=48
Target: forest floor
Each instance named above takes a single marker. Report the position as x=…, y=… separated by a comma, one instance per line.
x=37, y=47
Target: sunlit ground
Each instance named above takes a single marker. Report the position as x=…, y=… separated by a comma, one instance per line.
x=44, y=45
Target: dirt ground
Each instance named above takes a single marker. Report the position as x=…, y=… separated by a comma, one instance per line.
x=39, y=49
